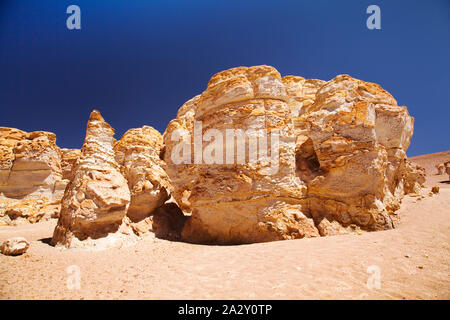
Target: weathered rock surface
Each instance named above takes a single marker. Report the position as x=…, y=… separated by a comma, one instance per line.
x=29, y=164
x=16, y=212
x=440, y=168
x=30, y=172
x=256, y=157
x=138, y=154
x=182, y=174
x=14, y=246
x=68, y=159
x=238, y=202
x=414, y=178
x=342, y=158
x=301, y=92
x=359, y=136
x=96, y=200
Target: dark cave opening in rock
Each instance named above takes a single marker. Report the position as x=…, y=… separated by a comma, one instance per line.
x=307, y=165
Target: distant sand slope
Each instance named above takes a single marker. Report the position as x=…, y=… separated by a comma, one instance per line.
x=429, y=162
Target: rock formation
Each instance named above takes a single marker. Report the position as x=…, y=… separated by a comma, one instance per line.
x=342, y=158
x=182, y=174
x=31, y=181
x=359, y=136
x=245, y=202
x=96, y=200
x=256, y=157
x=414, y=178
x=16, y=212
x=118, y=190
x=138, y=153
x=68, y=159
x=440, y=167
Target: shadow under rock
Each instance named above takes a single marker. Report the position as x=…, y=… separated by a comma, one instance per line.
x=46, y=241
x=168, y=222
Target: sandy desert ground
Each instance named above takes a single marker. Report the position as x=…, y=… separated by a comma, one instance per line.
x=412, y=261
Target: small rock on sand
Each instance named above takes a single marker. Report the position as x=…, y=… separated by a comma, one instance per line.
x=14, y=246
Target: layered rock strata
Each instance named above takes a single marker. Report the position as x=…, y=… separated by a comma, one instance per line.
x=96, y=200
x=341, y=167
x=256, y=157
x=356, y=169
x=31, y=180
x=68, y=159
x=237, y=198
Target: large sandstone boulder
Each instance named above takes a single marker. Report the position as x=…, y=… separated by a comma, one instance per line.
x=256, y=157
x=341, y=163
x=359, y=136
x=182, y=173
x=255, y=199
x=31, y=180
x=96, y=200
x=30, y=165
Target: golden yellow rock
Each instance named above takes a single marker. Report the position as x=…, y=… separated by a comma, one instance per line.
x=359, y=136
x=238, y=201
x=301, y=92
x=96, y=200
x=68, y=158
x=341, y=165
x=413, y=178
x=30, y=171
x=255, y=157
x=138, y=153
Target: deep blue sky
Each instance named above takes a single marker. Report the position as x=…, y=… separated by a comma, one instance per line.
x=139, y=61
